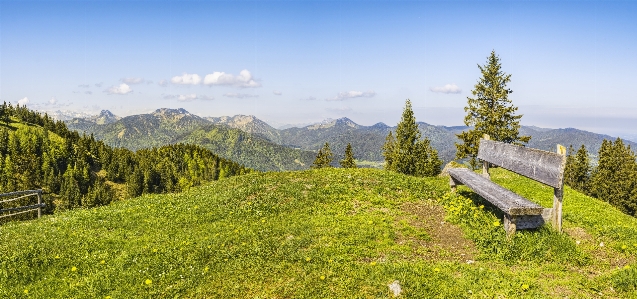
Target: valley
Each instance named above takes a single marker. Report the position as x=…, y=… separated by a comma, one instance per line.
x=252, y=142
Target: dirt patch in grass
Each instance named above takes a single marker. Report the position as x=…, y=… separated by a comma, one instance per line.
x=447, y=241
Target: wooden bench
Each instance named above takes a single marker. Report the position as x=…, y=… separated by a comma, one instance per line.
x=542, y=166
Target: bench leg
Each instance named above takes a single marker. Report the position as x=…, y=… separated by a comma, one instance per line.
x=452, y=184
x=509, y=225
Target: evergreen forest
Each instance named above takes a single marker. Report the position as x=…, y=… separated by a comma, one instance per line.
x=77, y=171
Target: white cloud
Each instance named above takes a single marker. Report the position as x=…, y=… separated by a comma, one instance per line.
x=309, y=99
x=186, y=79
x=88, y=92
x=278, y=93
x=53, y=101
x=98, y=84
x=352, y=94
x=244, y=79
x=121, y=89
x=240, y=95
x=23, y=101
x=448, y=88
x=187, y=97
x=163, y=83
x=132, y=80
x=83, y=86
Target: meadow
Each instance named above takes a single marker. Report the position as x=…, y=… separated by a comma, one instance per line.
x=326, y=233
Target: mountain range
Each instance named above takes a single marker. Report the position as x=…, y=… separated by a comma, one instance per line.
x=251, y=141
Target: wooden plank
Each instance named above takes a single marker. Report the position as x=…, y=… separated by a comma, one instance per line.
x=22, y=208
x=506, y=200
x=529, y=221
x=19, y=197
x=18, y=213
x=20, y=193
x=538, y=165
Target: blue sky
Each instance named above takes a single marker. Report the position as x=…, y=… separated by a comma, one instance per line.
x=573, y=63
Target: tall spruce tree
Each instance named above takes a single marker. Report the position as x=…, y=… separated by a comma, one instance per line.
x=323, y=157
x=489, y=112
x=348, y=161
x=406, y=152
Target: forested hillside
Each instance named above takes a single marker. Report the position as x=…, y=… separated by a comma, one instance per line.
x=79, y=171
x=547, y=139
x=171, y=126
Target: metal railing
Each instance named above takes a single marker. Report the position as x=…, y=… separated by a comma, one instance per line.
x=22, y=209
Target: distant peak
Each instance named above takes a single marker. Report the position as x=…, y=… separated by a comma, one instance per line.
x=380, y=125
x=171, y=111
x=327, y=123
x=106, y=113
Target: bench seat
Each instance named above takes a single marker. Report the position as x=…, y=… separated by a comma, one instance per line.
x=506, y=200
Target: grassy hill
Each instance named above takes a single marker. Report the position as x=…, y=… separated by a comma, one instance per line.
x=329, y=233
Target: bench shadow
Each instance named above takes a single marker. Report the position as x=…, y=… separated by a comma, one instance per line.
x=478, y=200
x=488, y=206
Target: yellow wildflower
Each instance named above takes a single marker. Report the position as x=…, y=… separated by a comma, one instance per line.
x=148, y=281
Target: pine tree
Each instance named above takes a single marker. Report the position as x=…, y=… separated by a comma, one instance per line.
x=135, y=183
x=581, y=170
x=490, y=112
x=615, y=178
x=323, y=157
x=578, y=169
x=348, y=161
x=388, y=151
x=427, y=162
x=406, y=152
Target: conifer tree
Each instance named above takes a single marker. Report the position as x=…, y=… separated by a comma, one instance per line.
x=615, y=178
x=9, y=175
x=580, y=171
x=489, y=112
x=348, y=161
x=6, y=113
x=406, y=152
x=570, y=162
x=323, y=157
x=388, y=151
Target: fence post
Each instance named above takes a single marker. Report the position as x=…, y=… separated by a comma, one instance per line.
x=39, y=203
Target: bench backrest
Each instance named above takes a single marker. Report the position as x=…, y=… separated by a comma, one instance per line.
x=542, y=166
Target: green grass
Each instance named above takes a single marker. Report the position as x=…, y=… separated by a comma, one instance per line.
x=328, y=233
